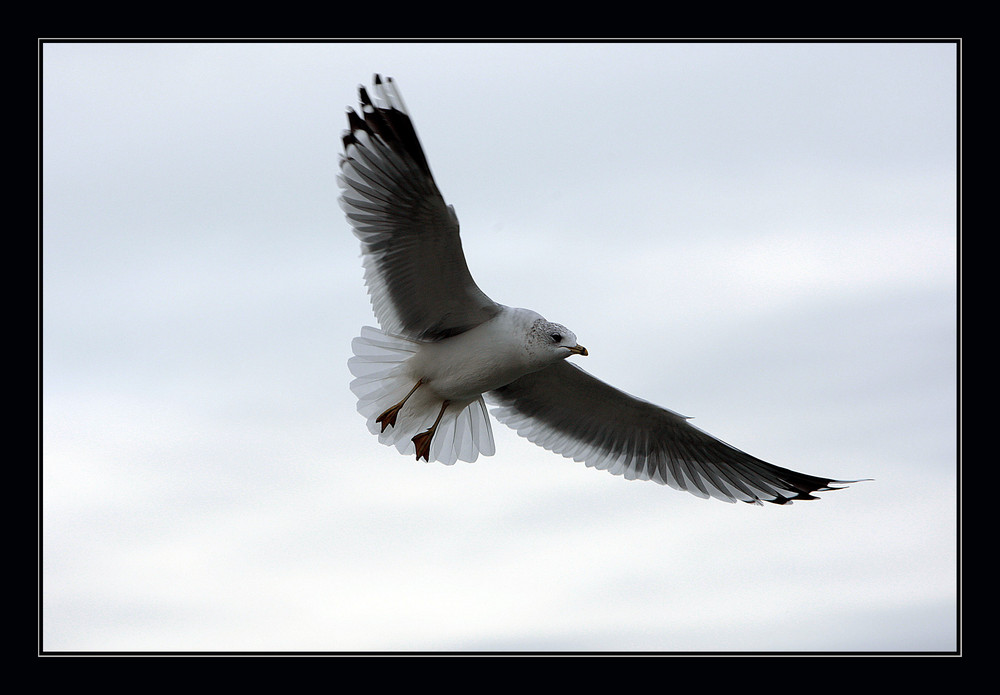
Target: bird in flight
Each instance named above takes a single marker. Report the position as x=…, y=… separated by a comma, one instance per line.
x=443, y=346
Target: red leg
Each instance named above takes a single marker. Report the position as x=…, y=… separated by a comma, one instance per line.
x=423, y=440
x=389, y=416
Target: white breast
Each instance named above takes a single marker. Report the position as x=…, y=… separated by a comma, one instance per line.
x=487, y=357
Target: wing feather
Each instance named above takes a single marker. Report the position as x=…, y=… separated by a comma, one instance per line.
x=415, y=270
x=566, y=410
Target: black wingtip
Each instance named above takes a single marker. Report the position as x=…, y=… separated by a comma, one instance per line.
x=363, y=96
x=354, y=124
x=816, y=485
x=389, y=121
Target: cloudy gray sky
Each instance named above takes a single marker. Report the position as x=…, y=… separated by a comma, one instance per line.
x=761, y=236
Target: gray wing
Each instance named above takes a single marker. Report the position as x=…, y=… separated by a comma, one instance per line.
x=415, y=271
x=566, y=410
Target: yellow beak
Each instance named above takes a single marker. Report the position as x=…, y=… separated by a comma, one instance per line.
x=578, y=350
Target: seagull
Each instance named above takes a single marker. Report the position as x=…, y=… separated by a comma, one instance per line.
x=443, y=346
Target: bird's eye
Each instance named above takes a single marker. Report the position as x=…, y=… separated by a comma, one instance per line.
x=556, y=337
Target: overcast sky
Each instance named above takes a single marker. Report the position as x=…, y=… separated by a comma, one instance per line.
x=761, y=236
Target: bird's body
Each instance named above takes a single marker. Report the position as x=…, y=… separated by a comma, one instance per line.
x=493, y=354
x=443, y=345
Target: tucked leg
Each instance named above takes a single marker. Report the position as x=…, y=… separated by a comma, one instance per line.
x=389, y=416
x=423, y=440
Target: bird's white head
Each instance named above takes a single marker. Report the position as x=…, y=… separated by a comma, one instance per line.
x=553, y=340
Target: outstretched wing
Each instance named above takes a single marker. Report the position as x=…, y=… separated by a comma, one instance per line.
x=415, y=271
x=566, y=410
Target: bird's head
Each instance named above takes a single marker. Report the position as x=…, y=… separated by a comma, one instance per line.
x=555, y=340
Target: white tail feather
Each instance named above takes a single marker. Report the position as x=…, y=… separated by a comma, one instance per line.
x=382, y=380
